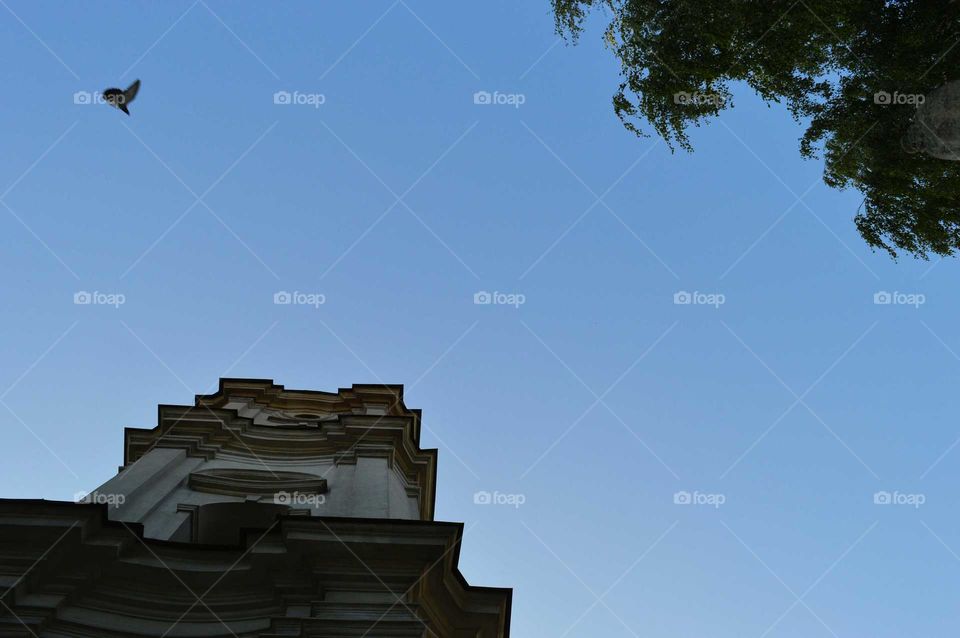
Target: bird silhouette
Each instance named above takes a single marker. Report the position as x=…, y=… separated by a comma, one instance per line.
x=120, y=99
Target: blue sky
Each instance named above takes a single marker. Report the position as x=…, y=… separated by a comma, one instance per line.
x=386, y=191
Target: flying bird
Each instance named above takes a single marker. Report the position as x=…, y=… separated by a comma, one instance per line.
x=120, y=99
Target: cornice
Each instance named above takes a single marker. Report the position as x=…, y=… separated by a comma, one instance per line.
x=357, y=399
x=106, y=565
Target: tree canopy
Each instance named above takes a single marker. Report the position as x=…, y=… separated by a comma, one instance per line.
x=875, y=81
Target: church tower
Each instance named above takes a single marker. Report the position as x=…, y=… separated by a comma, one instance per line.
x=256, y=512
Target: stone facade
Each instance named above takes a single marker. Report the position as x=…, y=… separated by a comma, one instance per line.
x=258, y=511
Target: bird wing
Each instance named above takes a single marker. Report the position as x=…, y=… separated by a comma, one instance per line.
x=131, y=92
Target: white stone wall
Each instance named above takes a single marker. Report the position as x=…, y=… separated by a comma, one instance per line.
x=154, y=489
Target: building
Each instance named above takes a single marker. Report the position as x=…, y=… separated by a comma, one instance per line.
x=258, y=511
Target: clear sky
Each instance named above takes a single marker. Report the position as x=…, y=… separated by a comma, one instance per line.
x=385, y=191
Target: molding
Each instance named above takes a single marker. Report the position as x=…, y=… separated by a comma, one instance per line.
x=250, y=482
x=104, y=575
